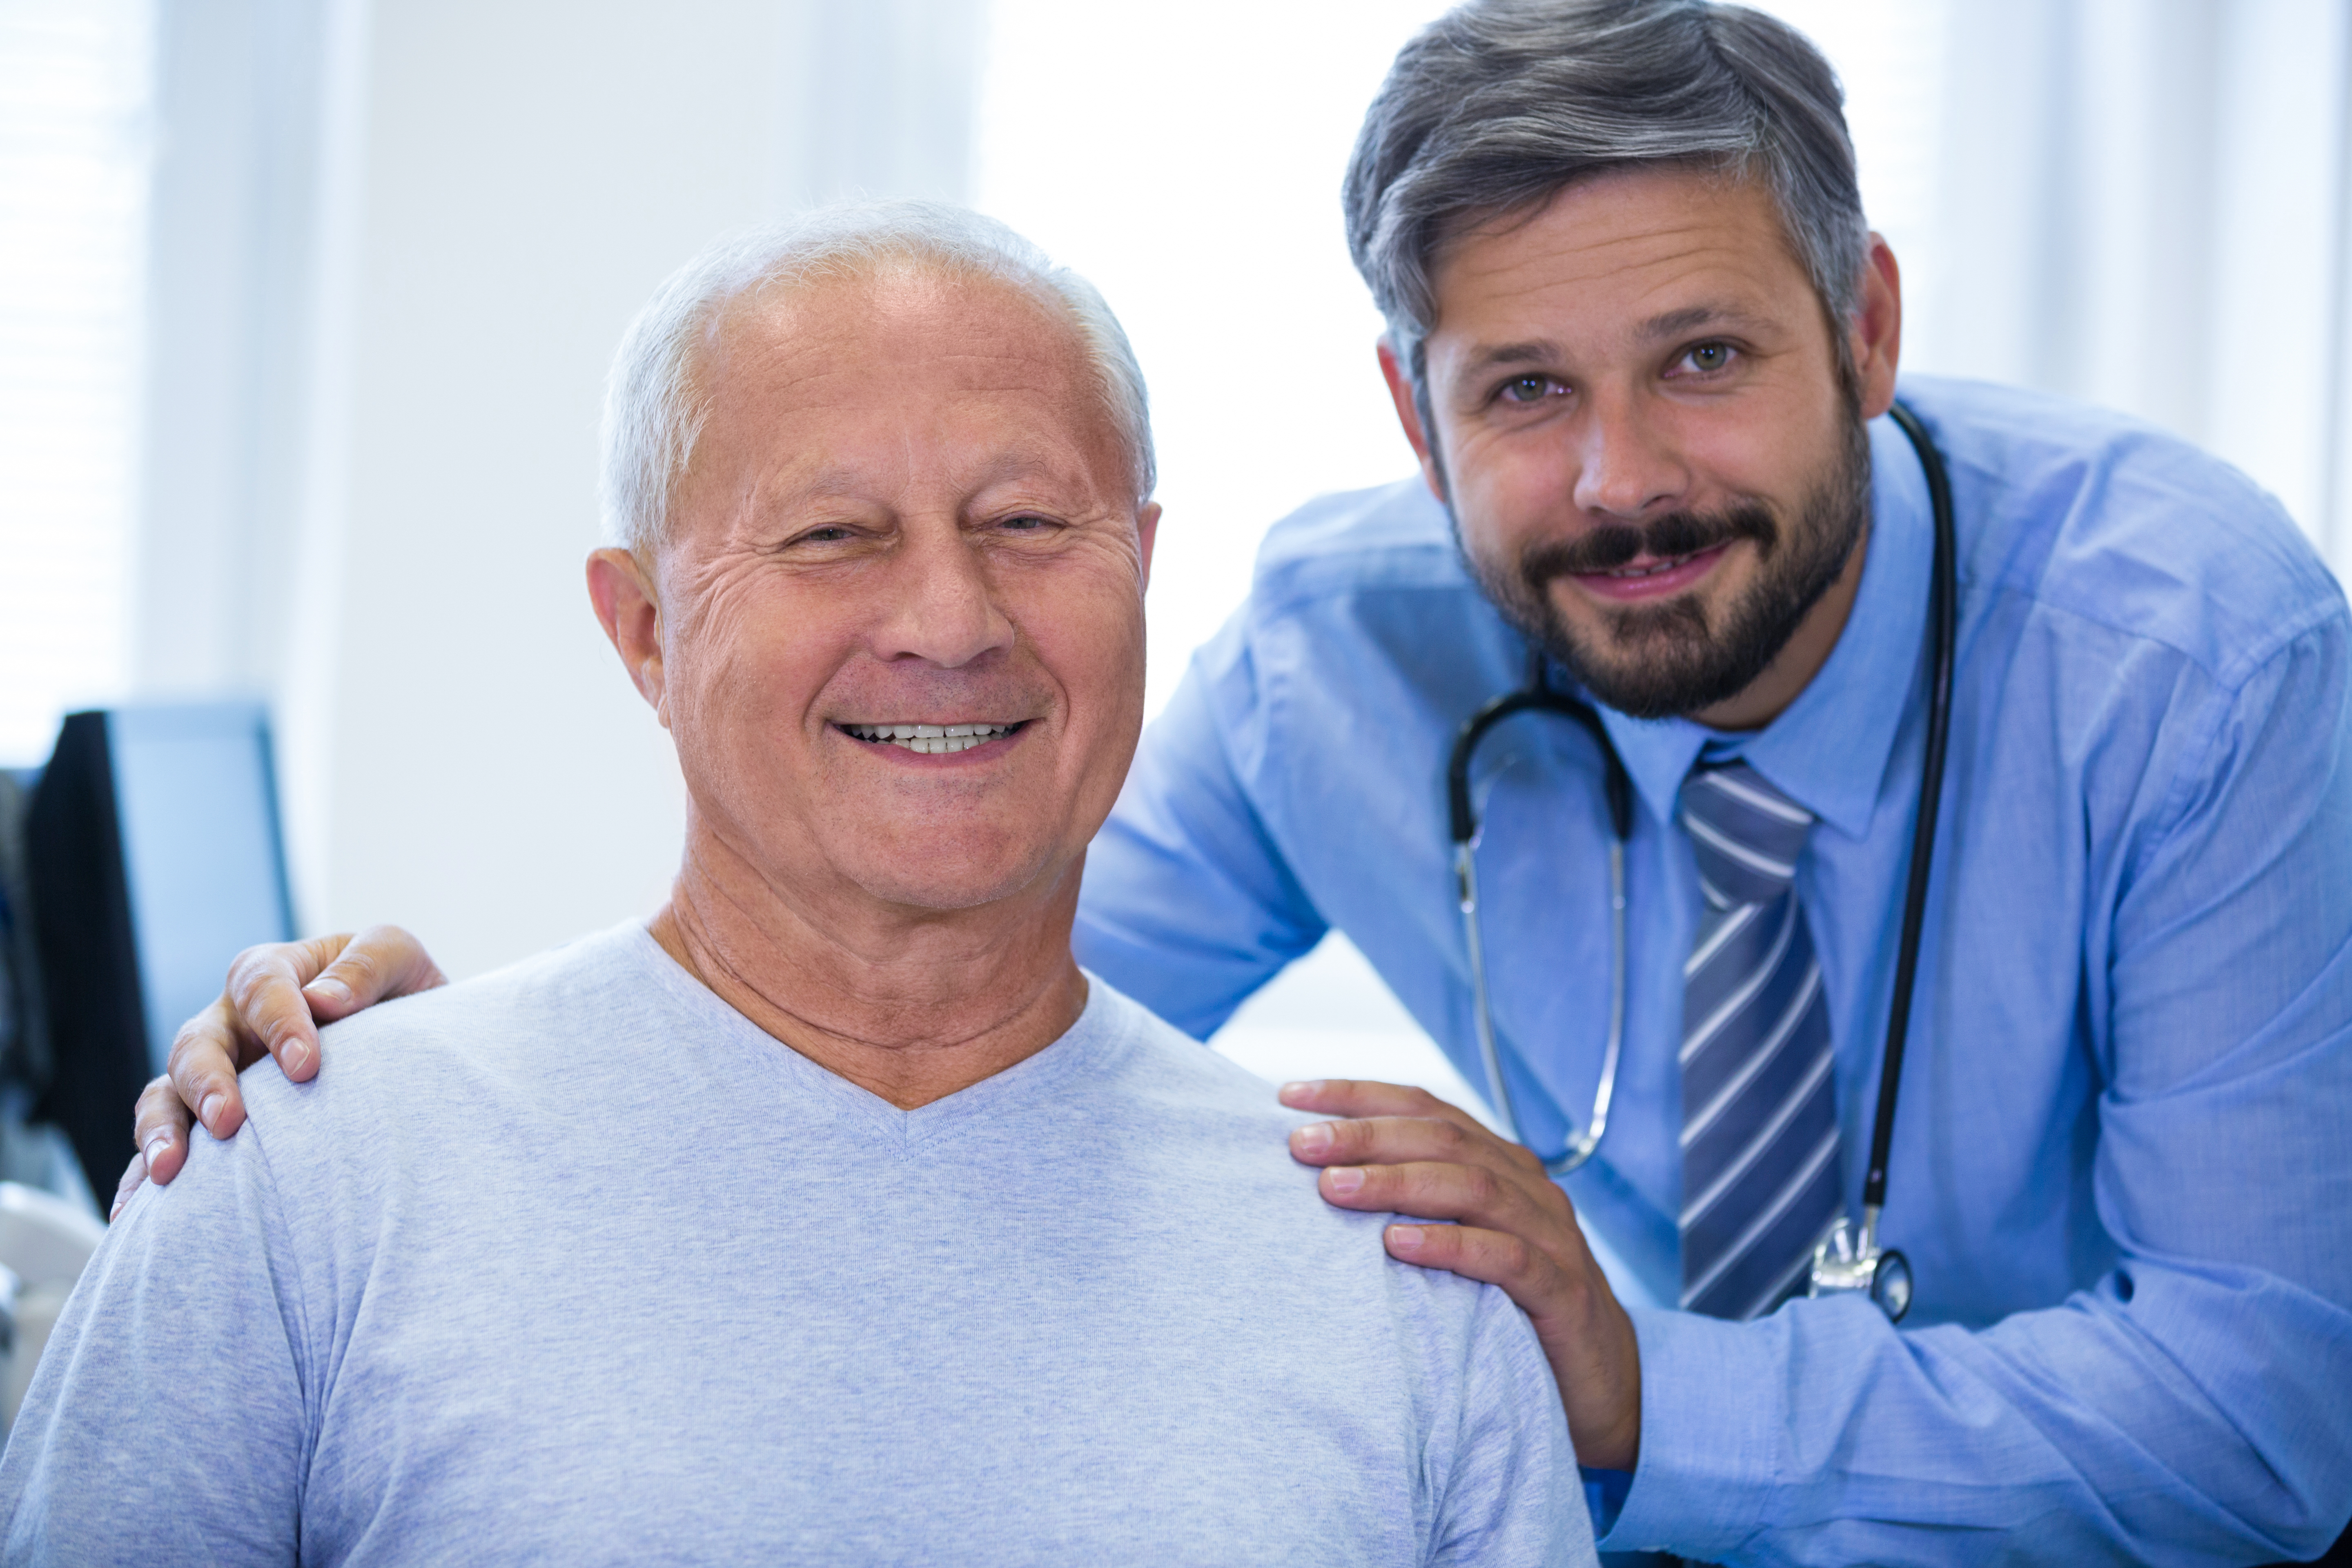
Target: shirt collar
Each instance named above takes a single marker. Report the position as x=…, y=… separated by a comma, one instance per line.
x=1828, y=750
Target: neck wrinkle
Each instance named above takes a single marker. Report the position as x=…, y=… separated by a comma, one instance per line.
x=909, y=1007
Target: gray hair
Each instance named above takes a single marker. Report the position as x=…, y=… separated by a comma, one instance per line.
x=655, y=411
x=1500, y=103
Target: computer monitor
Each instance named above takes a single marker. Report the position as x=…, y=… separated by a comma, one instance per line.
x=153, y=857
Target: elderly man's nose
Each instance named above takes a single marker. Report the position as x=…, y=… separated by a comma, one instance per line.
x=944, y=610
x=1624, y=469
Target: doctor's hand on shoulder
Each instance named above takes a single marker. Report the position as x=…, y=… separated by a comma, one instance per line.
x=276, y=998
x=1390, y=1150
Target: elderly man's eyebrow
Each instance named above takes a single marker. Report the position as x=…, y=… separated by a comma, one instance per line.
x=829, y=481
x=825, y=479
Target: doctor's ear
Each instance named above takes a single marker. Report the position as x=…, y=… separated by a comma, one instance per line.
x=1874, y=331
x=1407, y=398
x=630, y=613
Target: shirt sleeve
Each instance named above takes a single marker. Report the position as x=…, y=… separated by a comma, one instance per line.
x=167, y=1422
x=2190, y=1407
x=1512, y=1492
x=1188, y=906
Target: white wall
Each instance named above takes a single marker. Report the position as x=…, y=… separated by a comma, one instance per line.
x=404, y=240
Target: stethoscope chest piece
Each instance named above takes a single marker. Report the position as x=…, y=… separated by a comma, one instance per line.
x=1852, y=1263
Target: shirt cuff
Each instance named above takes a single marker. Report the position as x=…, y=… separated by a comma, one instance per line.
x=1604, y=1490
x=1710, y=1410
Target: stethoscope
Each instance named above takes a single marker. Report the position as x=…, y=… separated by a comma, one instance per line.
x=1847, y=1260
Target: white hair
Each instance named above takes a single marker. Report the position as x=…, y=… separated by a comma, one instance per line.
x=654, y=411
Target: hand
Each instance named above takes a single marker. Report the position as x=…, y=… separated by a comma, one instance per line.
x=274, y=994
x=1404, y=1150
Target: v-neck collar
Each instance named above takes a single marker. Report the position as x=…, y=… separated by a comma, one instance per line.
x=1090, y=1044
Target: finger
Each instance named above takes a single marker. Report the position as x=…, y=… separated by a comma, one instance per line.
x=1471, y=1194
x=381, y=963
x=1364, y=1097
x=201, y=1076
x=268, y=1008
x=134, y=1175
x=161, y=1128
x=1493, y=1256
x=1402, y=1139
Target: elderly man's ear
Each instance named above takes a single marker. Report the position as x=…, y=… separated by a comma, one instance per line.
x=631, y=616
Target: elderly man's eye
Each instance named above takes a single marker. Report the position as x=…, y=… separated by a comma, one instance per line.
x=1027, y=523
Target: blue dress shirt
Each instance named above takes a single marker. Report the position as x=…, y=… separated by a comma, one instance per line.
x=2122, y=1167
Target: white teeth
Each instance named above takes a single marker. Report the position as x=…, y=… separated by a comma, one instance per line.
x=1651, y=571
x=930, y=740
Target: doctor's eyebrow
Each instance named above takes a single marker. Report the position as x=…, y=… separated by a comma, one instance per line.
x=1533, y=351
x=1692, y=318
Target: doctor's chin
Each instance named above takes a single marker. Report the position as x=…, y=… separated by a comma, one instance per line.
x=1673, y=885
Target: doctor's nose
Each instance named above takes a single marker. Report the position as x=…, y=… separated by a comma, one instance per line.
x=1625, y=469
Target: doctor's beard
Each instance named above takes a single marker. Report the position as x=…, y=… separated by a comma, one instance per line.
x=1674, y=659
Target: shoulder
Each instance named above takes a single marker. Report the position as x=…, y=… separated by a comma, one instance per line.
x=2108, y=522
x=1359, y=611
x=445, y=1057
x=1160, y=1071
x=1223, y=1126
x=1394, y=543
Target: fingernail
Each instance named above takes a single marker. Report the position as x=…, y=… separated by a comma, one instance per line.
x=115, y=1212
x=211, y=1108
x=1405, y=1237
x=1301, y=1090
x=1315, y=1139
x=297, y=1056
x=330, y=990
x=1346, y=1179
x=155, y=1147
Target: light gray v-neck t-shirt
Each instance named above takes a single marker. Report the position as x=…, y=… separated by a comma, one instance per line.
x=573, y=1263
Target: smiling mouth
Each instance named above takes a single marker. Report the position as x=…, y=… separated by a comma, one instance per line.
x=1654, y=566
x=931, y=740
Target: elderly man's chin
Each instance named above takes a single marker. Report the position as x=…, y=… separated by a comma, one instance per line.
x=949, y=843
x=966, y=882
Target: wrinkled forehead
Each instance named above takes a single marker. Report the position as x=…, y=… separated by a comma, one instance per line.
x=868, y=373
x=903, y=305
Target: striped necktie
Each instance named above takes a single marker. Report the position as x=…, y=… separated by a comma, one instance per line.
x=1760, y=1175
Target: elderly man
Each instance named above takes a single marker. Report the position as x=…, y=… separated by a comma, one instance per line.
x=888, y=1235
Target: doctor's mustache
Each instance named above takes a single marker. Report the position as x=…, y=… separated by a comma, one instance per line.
x=1606, y=548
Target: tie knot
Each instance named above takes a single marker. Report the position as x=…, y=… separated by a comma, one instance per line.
x=1745, y=834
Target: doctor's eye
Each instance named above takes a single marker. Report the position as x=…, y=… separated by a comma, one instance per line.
x=1710, y=357
x=1527, y=388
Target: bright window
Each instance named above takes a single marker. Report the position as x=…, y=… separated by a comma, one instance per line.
x=74, y=150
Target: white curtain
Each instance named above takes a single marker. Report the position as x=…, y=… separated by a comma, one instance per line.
x=2145, y=203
